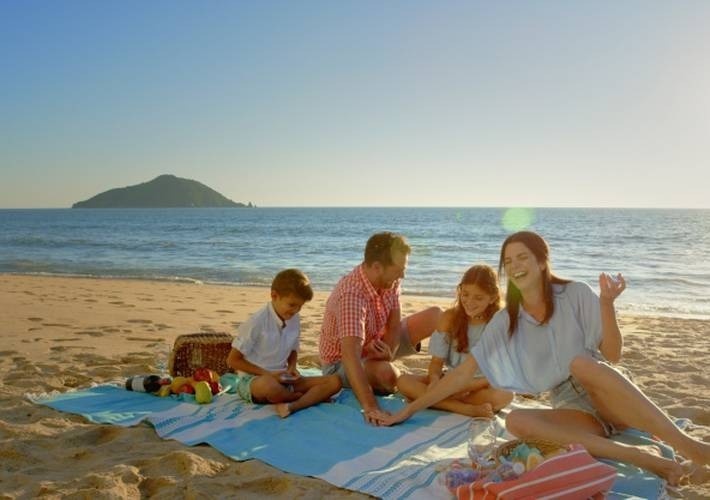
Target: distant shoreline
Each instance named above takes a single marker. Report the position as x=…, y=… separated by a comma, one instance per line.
x=440, y=300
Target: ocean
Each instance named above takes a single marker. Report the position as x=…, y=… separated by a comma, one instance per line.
x=664, y=254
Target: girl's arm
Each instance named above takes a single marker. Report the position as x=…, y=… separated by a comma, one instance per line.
x=455, y=381
x=609, y=289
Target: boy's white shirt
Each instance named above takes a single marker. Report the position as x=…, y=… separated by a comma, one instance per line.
x=264, y=342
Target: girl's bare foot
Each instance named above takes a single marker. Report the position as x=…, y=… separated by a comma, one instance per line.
x=483, y=410
x=282, y=409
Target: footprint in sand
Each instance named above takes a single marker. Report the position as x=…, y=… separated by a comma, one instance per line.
x=186, y=309
x=60, y=325
x=140, y=339
x=224, y=311
x=91, y=333
x=141, y=321
x=35, y=319
x=65, y=340
x=110, y=329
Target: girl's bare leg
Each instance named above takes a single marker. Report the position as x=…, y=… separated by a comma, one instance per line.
x=413, y=387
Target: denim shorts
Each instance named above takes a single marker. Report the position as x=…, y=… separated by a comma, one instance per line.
x=570, y=395
x=405, y=349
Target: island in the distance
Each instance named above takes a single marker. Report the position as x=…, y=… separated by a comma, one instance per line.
x=165, y=191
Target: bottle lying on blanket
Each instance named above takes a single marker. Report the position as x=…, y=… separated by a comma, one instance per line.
x=147, y=383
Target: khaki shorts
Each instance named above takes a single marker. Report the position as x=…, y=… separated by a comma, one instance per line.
x=405, y=349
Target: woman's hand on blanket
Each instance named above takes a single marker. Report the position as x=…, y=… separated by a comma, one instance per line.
x=610, y=287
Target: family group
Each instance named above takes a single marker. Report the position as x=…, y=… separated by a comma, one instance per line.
x=549, y=334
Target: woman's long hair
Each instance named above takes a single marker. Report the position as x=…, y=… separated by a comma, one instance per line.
x=485, y=278
x=541, y=250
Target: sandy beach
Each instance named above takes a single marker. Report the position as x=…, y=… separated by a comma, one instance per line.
x=64, y=333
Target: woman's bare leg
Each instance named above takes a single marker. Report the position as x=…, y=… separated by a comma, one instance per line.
x=621, y=402
x=572, y=426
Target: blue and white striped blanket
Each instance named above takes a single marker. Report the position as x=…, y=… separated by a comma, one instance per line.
x=330, y=441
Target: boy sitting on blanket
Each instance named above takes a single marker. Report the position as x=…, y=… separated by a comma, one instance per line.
x=265, y=351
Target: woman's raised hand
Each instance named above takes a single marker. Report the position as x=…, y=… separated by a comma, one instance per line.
x=610, y=287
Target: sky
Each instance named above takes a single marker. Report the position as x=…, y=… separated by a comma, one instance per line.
x=359, y=103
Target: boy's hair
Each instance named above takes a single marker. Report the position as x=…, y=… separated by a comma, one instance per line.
x=381, y=246
x=292, y=282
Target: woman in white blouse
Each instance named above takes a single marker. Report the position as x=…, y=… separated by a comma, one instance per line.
x=559, y=336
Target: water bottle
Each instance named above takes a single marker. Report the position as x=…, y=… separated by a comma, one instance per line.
x=144, y=383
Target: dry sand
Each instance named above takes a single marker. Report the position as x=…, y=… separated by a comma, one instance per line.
x=64, y=333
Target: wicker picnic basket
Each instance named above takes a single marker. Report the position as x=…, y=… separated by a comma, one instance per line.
x=196, y=350
x=547, y=448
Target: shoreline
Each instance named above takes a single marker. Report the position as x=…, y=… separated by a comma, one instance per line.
x=447, y=300
x=61, y=333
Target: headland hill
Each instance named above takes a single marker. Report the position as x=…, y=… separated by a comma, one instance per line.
x=165, y=191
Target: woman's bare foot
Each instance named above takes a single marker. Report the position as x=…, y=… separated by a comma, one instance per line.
x=650, y=459
x=282, y=409
x=482, y=410
x=694, y=473
x=698, y=452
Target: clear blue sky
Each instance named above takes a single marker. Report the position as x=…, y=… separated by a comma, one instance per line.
x=396, y=103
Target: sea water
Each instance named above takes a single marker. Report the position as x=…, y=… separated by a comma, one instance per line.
x=664, y=254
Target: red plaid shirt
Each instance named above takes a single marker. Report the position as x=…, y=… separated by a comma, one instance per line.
x=355, y=309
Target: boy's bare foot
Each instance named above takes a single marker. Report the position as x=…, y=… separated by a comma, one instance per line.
x=483, y=410
x=282, y=409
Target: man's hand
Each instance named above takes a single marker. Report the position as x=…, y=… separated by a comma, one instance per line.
x=379, y=350
x=374, y=416
x=385, y=419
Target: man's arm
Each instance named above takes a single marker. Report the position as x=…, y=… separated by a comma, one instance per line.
x=392, y=333
x=351, y=352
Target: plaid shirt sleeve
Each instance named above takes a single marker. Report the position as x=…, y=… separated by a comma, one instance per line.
x=352, y=315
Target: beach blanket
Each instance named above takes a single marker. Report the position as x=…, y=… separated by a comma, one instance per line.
x=329, y=441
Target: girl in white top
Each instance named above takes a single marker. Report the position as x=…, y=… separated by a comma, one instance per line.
x=459, y=329
x=554, y=335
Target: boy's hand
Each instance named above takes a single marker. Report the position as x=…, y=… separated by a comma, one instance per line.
x=289, y=377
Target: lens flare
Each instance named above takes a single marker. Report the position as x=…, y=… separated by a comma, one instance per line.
x=517, y=219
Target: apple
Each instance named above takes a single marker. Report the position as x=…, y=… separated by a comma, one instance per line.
x=186, y=388
x=215, y=386
x=202, y=374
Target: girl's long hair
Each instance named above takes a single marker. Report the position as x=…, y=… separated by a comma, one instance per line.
x=485, y=278
x=541, y=250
